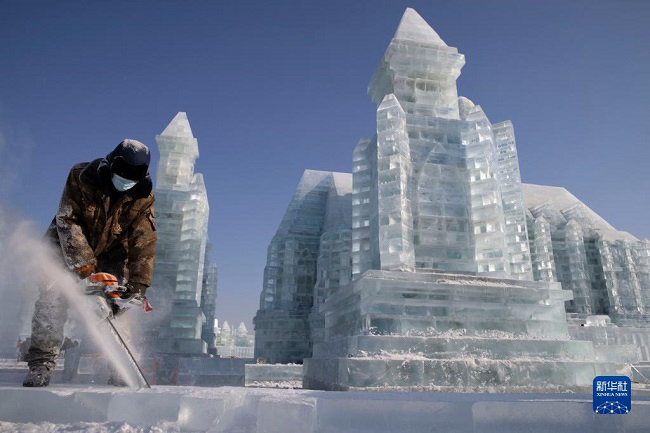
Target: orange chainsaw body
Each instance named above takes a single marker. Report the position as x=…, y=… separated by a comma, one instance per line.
x=111, y=289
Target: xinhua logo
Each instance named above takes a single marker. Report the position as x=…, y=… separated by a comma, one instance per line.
x=612, y=395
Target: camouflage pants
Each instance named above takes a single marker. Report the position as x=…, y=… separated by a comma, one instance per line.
x=50, y=315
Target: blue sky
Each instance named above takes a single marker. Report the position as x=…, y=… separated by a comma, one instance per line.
x=273, y=88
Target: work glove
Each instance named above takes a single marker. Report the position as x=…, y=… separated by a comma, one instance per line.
x=84, y=271
x=136, y=289
x=134, y=295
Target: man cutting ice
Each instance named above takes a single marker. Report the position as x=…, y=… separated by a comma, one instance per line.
x=105, y=223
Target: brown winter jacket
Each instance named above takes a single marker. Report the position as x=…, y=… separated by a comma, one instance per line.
x=119, y=238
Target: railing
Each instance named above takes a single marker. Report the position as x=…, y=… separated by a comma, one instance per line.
x=235, y=351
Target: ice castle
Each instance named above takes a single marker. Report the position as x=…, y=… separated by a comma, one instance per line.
x=184, y=281
x=433, y=267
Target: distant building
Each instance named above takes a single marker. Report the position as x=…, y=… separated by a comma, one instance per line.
x=234, y=342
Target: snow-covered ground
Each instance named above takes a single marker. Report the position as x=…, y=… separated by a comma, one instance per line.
x=241, y=410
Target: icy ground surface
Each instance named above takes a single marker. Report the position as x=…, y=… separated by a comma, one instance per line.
x=289, y=384
x=241, y=410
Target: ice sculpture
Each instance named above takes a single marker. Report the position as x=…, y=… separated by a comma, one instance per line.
x=442, y=294
x=607, y=270
x=441, y=170
x=308, y=250
x=182, y=212
x=451, y=274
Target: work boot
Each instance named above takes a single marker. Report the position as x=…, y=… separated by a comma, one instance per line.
x=38, y=376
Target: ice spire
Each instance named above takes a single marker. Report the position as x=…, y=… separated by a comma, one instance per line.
x=178, y=152
x=179, y=126
x=412, y=27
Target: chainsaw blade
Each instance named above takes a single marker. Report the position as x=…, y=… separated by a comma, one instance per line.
x=126, y=365
x=134, y=372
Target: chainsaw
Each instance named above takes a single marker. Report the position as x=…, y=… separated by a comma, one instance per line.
x=113, y=300
x=118, y=297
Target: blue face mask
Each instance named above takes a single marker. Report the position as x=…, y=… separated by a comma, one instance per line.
x=122, y=184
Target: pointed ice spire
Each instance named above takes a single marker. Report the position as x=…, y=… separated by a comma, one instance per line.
x=179, y=126
x=412, y=27
x=390, y=102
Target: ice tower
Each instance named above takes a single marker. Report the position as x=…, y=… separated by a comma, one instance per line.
x=442, y=293
x=445, y=193
x=182, y=212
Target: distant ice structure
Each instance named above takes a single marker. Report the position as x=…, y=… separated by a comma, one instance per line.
x=309, y=253
x=182, y=283
x=608, y=270
x=446, y=290
x=234, y=342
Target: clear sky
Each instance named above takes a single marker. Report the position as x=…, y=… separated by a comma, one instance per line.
x=274, y=87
